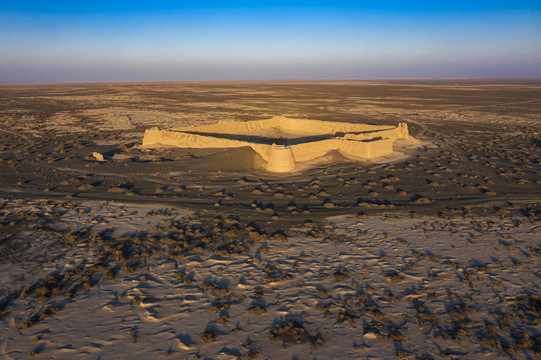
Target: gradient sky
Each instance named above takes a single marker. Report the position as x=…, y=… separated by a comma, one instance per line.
x=43, y=41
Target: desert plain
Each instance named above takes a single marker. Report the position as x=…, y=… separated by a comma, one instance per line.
x=110, y=249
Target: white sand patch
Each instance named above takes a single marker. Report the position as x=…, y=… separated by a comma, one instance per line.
x=118, y=118
x=63, y=119
x=39, y=244
x=359, y=287
x=122, y=219
x=64, y=128
x=110, y=119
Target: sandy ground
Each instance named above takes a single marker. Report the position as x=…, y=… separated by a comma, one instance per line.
x=186, y=253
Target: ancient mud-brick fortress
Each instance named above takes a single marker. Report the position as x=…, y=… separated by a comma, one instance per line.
x=283, y=142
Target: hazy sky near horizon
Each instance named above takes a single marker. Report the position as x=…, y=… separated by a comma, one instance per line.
x=42, y=41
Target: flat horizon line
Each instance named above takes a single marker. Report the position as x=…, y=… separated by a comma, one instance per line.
x=328, y=80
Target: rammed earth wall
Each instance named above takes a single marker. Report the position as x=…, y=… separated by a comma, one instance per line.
x=353, y=140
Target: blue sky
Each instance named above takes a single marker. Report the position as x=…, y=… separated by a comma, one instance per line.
x=256, y=40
